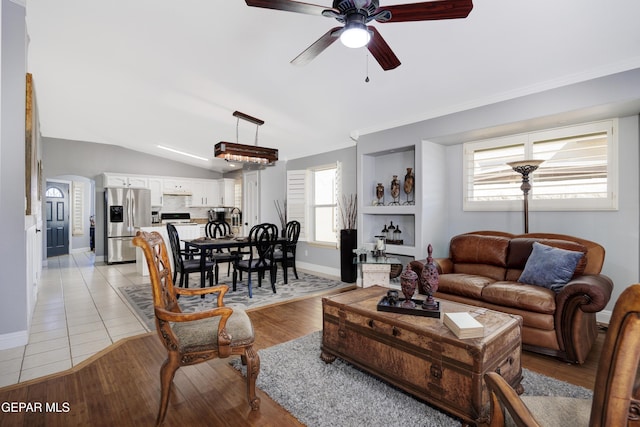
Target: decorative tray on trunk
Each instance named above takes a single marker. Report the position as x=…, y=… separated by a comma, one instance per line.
x=386, y=305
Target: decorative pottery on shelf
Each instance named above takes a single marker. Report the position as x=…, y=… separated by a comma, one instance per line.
x=395, y=190
x=380, y=194
x=409, y=182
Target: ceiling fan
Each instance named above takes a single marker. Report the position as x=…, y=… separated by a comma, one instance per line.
x=356, y=14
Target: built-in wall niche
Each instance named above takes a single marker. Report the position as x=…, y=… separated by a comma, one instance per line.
x=380, y=168
x=375, y=223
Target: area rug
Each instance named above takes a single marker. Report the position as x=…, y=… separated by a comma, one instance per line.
x=140, y=299
x=337, y=394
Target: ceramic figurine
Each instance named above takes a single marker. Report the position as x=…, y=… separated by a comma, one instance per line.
x=380, y=193
x=395, y=190
x=409, y=181
x=409, y=282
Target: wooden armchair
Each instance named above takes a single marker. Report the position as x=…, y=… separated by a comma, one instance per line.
x=192, y=338
x=616, y=396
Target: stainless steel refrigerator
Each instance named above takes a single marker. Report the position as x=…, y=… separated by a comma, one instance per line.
x=127, y=209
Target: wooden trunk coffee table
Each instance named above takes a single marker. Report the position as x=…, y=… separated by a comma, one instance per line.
x=420, y=355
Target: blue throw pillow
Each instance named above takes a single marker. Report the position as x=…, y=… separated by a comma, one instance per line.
x=550, y=267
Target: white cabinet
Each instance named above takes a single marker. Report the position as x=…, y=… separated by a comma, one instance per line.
x=156, y=186
x=205, y=193
x=117, y=180
x=227, y=192
x=176, y=186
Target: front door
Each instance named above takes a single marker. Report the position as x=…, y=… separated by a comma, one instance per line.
x=57, y=214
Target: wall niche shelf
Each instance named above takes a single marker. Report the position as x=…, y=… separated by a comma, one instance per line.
x=423, y=221
x=389, y=210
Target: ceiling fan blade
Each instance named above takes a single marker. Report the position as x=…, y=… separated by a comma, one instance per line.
x=318, y=46
x=290, y=6
x=381, y=51
x=431, y=10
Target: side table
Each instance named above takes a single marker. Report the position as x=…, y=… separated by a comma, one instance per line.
x=374, y=270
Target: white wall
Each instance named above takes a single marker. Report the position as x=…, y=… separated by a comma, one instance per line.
x=13, y=250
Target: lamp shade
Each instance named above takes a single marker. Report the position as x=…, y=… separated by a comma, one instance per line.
x=525, y=167
x=355, y=35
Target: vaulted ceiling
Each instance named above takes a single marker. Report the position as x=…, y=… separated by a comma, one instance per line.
x=144, y=73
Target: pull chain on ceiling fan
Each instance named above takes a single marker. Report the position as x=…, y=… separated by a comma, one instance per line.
x=356, y=14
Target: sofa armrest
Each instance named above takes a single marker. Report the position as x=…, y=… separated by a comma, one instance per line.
x=445, y=265
x=576, y=305
x=595, y=288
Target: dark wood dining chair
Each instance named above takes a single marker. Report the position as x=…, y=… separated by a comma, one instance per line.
x=262, y=239
x=192, y=338
x=616, y=393
x=292, y=233
x=215, y=230
x=186, y=262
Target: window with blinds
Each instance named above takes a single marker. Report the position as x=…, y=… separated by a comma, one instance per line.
x=579, y=169
x=77, y=209
x=312, y=199
x=296, y=200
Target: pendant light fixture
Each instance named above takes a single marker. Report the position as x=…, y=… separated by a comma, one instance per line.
x=235, y=152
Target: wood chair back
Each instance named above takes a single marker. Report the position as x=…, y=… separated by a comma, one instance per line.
x=616, y=395
x=196, y=337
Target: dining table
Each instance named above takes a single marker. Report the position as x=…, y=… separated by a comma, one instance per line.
x=204, y=245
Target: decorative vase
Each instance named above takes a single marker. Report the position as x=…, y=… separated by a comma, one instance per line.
x=409, y=181
x=429, y=279
x=409, y=282
x=380, y=193
x=395, y=190
x=348, y=242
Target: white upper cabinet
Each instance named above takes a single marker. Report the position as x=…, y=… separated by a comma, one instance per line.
x=117, y=180
x=205, y=193
x=199, y=192
x=177, y=186
x=227, y=192
x=156, y=185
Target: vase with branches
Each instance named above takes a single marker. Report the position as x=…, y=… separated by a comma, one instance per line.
x=349, y=211
x=282, y=215
x=348, y=207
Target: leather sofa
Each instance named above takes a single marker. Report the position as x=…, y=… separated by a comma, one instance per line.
x=483, y=269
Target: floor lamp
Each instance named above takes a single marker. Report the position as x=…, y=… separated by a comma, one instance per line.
x=524, y=168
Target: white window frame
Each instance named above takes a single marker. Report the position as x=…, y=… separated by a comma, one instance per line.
x=513, y=203
x=300, y=201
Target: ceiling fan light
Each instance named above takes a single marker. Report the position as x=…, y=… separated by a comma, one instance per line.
x=355, y=36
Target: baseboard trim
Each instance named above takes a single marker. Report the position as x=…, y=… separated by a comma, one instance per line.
x=14, y=339
x=79, y=250
x=323, y=269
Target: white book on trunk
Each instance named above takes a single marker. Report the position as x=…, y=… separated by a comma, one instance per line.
x=463, y=325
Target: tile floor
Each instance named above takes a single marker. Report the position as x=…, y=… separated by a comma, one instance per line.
x=78, y=313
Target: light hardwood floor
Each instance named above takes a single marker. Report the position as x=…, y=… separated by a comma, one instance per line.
x=120, y=386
